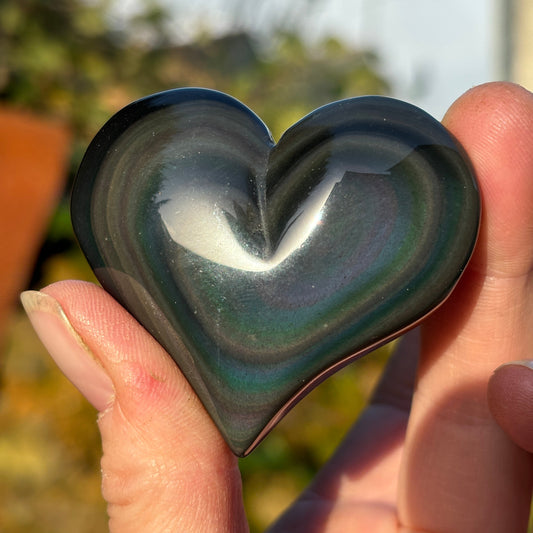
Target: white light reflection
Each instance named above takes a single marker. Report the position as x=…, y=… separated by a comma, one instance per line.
x=195, y=217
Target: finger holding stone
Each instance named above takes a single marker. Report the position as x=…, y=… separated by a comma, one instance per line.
x=460, y=471
x=165, y=465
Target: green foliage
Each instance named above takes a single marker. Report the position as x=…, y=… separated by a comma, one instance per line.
x=54, y=57
x=71, y=59
x=66, y=58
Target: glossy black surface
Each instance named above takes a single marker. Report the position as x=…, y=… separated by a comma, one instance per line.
x=262, y=268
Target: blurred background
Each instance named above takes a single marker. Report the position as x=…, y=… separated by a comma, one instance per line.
x=66, y=66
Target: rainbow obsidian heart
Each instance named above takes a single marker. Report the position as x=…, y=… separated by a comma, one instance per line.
x=261, y=267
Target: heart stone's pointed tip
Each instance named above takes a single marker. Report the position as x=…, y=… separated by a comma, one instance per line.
x=243, y=449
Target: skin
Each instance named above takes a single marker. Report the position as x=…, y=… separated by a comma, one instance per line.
x=443, y=447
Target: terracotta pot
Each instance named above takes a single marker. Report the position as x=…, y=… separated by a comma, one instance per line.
x=33, y=156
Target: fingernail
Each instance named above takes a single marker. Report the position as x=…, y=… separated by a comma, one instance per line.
x=527, y=363
x=67, y=348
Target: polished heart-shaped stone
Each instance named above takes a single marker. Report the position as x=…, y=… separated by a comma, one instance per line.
x=260, y=267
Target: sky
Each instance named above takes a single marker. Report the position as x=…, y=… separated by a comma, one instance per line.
x=430, y=50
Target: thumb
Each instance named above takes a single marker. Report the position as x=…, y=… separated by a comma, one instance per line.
x=165, y=466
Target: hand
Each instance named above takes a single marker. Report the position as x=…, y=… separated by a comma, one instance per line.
x=445, y=465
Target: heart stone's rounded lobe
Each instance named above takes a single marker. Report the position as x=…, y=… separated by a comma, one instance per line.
x=262, y=267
